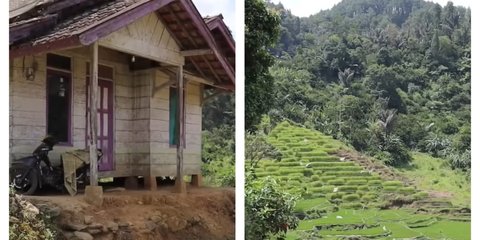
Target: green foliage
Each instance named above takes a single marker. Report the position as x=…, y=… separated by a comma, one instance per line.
x=257, y=148
x=268, y=210
x=218, y=141
x=261, y=31
x=337, y=186
x=25, y=224
x=338, y=70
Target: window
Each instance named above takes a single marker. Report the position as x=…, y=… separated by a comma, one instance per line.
x=58, y=97
x=173, y=128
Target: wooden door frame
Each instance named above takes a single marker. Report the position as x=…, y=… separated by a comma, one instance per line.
x=112, y=115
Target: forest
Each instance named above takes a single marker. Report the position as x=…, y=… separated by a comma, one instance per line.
x=389, y=79
x=386, y=77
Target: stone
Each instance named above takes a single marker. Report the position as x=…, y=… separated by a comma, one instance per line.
x=14, y=219
x=74, y=226
x=83, y=235
x=112, y=226
x=88, y=219
x=150, y=226
x=94, y=195
x=94, y=231
x=123, y=224
x=54, y=211
x=124, y=235
x=156, y=218
x=95, y=226
x=30, y=211
x=67, y=234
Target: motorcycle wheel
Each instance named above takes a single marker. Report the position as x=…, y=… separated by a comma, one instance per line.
x=26, y=186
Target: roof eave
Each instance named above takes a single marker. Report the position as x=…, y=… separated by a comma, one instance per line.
x=206, y=34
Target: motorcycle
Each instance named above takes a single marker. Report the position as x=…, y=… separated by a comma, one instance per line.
x=28, y=174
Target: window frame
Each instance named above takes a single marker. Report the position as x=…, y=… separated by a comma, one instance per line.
x=66, y=74
x=174, y=87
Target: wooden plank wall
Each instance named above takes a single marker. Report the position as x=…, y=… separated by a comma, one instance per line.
x=141, y=121
x=146, y=37
x=27, y=106
x=163, y=156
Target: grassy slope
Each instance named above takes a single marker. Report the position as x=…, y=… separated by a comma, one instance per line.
x=301, y=147
x=431, y=174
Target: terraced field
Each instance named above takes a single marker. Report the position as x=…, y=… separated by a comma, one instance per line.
x=341, y=199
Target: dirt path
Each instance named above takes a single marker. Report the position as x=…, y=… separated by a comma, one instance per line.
x=204, y=213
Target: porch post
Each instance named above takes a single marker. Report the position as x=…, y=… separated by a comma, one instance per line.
x=180, y=134
x=93, y=117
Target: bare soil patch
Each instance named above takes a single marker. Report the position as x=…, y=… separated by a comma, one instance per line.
x=203, y=213
x=384, y=171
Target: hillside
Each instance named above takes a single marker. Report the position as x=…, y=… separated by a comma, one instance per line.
x=342, y=196
x=389, y=78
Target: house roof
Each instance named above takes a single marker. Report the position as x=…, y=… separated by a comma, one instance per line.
x=222, y=35
x=62, y=24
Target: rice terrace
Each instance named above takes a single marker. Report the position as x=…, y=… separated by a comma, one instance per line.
x=344, y=195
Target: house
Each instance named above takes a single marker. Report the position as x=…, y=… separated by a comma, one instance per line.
x=152, y=62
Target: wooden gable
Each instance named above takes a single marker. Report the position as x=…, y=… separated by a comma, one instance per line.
x=147, y=37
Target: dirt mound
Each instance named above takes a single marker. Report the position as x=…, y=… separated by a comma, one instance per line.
x=204, y=213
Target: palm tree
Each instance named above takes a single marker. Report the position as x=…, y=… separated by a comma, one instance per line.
x=345, y=77
x=387, y=117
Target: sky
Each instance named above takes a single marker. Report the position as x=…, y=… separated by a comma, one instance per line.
x=305, y=8
x=215, y=7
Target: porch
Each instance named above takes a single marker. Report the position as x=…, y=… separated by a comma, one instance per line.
x=151, y=63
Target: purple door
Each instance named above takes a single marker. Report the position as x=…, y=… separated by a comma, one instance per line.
x=105, y=123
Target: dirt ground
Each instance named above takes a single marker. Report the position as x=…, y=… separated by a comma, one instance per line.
x=203, y=213
x=383, y=171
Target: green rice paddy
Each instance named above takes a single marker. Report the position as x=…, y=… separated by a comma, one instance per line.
x=340, y=199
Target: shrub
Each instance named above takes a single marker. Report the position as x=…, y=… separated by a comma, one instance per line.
x=323, y=189
x=307, y=172
x=288, y=164
x=375, y=182
x=352, y=205
x=390, y=189
x=331, y=196
x=460, y=160
x=26, y=222
x=286, y=171
x=406, y=190
x=351, y=197
x=369, y=197
x=399, y=155
x=336, y=182
x=268, y=210
x=347, y=188
x=357, y=182
x=325, y=179
x=363, y=188
x=420, y=195
x=317, y=184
